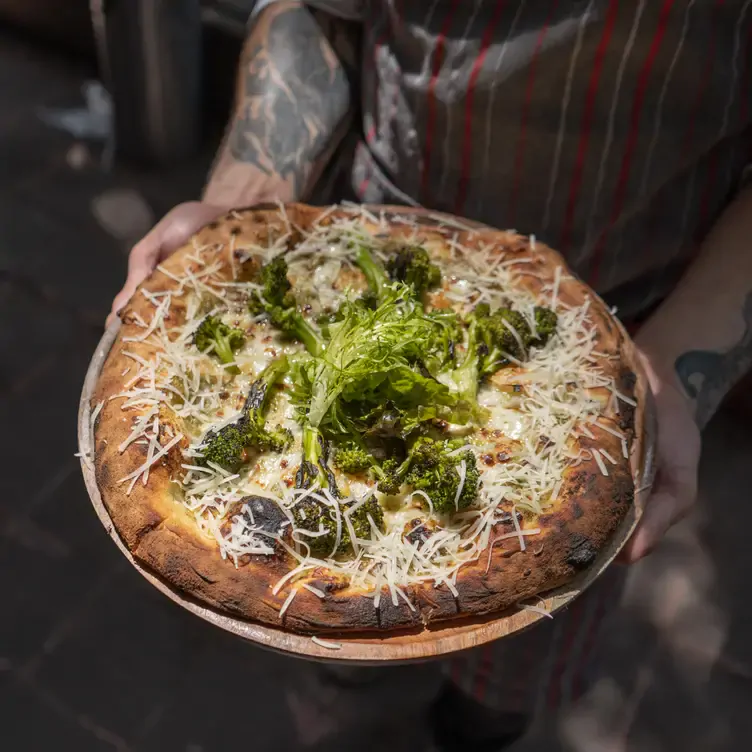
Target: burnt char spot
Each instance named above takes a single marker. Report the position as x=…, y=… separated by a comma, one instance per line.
x=263, y=513
x=213, y=225
x=328, y=582
x=622, y=490
x=235, y=231
x=417, y=531
x=581, y=483
x=577, y=510
x=627, y=381
x=582, y=552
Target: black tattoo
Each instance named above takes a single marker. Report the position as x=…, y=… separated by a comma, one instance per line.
x=707, y=375
x=294, y=94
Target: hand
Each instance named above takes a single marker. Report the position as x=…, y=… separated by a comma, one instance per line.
x=172, y=231
x=677, y=456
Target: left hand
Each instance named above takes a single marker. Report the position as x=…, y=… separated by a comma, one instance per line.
x=677, y=458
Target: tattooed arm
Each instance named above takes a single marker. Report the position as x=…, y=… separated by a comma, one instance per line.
x=703, y=333
x=291, y=112
x=291, y=109
x=695, y=348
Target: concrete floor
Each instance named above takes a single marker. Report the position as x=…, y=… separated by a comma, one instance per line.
x=92, y=658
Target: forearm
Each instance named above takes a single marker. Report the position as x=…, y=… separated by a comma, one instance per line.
x=701, y=337
x=291, y=110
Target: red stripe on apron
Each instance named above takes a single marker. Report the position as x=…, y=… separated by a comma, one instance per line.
x=467, y=145
x=587, y=123
x=634, y=128
x=438, y=59
x=519, y=157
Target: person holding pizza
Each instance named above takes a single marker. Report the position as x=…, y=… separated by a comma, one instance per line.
x=596, y=125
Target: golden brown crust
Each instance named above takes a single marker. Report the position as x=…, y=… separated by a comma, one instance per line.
x=163, y=536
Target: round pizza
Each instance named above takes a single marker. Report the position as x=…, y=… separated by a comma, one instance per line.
x=366, y=418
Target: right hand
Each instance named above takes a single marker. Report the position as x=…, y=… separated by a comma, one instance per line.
x=172, y=231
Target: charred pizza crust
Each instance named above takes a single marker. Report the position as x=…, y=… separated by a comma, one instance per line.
x=162, y=535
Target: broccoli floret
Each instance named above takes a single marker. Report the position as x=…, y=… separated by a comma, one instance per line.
x=545, y=326
x=292, y=324
x=360, y=518
x=351, y=458
x=278, y=302
x=433, y=469
x=493, y=338
x=388, y=475
x=277, y=288
x=313, y=514
x=316, y=517
x=225, y=339
x=226, y=447
x=504, y=332
x=413, y=266
x=229, y=446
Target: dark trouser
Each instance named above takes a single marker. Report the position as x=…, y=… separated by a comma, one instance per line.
x=481, y=699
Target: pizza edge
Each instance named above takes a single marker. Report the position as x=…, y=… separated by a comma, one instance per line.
x=162, y=536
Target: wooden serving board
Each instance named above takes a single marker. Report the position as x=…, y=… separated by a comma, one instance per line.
x=415, y=645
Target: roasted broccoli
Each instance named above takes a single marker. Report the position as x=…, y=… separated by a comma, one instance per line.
x=450, y=480
x=212, y=332
x=361, y=517
x=352, y=458
x=388, y=476
x=228, y=447
x=317, y=514
x=293, y=325
x=545, y=326
x=314, y=470
x=278, y=302
x=277, y=289
x=317, y=523
x=495, y=338
x=413, y=266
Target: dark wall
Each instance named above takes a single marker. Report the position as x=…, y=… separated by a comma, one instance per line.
x=66, y=23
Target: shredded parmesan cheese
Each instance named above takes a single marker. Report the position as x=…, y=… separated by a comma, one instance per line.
x=326, y=643
x=599, y=461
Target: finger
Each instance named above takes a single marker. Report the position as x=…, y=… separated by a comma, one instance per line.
x=183, y=222
x=656, y=520
x=670, y=502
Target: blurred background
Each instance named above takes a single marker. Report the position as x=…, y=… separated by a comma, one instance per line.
x=110, y=113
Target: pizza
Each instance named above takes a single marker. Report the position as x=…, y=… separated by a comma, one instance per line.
x=364, y=418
